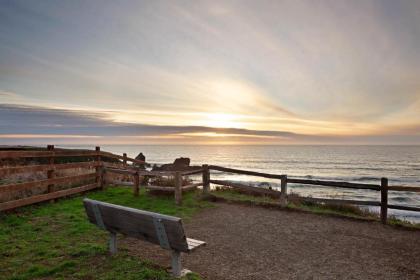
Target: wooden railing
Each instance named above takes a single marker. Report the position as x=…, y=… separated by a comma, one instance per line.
x=89, y=160
x=103, y=162
x=177, y=189
x=285, y=180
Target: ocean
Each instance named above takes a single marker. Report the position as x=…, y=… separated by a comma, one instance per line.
x=365, y=164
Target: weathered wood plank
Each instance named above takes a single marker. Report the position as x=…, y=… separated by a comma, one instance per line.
x=283, y=194
x=261, y=191
x=404, y=189
x=334, y=184
x=138, y=223
x=193, y=172
x=50, y=172
x=160, y=188
x=121, y=171
x=172, y=189
x=132, y=171
x=156, y=173
x=340, y=201
x=245, y=172
x=44, y=197
x=402, y=207
x=178, y=190
x=384, y=200
x=55, y=153
x=136, y=189
x=206, y=179
x=191, y=186
x=45, y=167
x=42, y=183
x=111, y=155
x=116, y=165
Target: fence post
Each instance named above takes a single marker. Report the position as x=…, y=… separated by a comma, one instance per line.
x=384, y=200
x=206, y=179
x=283, y=194
x=125, y=159
x=178, y=186
x=50, y=173
x=136, y=184
x=99, y=169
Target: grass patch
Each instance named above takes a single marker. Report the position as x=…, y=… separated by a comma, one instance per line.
x=295, y=202
x=55, y=240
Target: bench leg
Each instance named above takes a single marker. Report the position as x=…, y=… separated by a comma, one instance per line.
x=112, y=243
x=177, y=270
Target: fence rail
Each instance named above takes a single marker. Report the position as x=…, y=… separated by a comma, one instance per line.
x=43, y=183
x=245, y=172
x=45, y=167
x=335, y=184
x=45, y=197
x=244, y=187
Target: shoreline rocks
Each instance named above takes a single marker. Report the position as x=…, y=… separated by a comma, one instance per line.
x=179, y=164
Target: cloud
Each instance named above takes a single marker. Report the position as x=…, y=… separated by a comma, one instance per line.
x=295, y=68
x=7, y=96
x=37, y=120
x=23, y=124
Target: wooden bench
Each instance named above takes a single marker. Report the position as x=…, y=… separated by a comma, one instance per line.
x=163, y=230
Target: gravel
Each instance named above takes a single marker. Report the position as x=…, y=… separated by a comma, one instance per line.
x=245, y=242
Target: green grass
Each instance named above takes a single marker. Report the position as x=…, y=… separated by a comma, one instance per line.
x=55, y=240
x=294, y=203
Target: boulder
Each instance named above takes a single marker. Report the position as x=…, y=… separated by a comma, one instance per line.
x=182, y=161
x=142, y=158
x=179, y=164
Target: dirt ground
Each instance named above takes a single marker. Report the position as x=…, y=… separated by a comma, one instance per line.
x=246, y=242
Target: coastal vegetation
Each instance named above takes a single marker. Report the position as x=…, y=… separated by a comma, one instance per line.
x=56, y=240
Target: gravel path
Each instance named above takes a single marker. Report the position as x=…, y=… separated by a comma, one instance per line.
x=257, y=243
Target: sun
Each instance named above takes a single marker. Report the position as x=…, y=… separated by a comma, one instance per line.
x=221, y=120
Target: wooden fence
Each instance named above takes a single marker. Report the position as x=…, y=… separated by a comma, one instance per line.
x=177, y=189
x=89, y=160
x=382, y=187
x=100, y=163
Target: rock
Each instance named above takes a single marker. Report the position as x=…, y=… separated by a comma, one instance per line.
x=265, y=185
x=179, y=164
x=142, y=158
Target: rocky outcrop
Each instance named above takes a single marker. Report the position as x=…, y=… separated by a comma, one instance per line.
x=180, y=164
x=142, y=158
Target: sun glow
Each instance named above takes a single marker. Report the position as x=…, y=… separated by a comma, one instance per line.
x=221, y=120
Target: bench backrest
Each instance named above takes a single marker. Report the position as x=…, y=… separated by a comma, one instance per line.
x=166, y=231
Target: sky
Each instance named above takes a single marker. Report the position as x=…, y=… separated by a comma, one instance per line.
x=209, y=72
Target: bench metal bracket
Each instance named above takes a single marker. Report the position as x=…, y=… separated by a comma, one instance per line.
x=112, y=243
x=161, y=233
